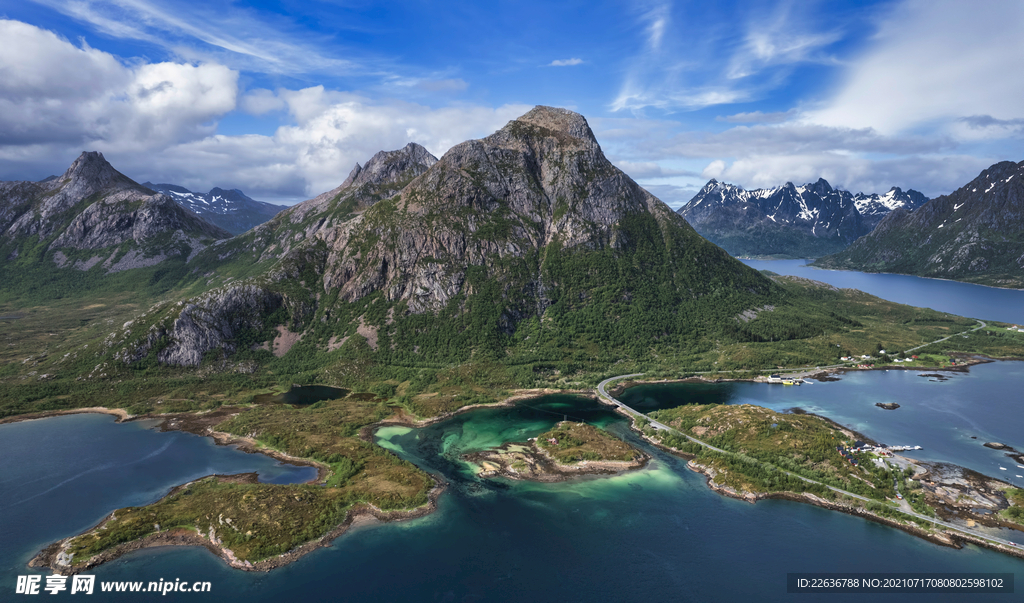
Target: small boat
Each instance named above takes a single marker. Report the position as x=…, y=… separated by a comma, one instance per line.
x=787, y=382
x=1021, y=476
x=1021, y=466
x=1002, y=468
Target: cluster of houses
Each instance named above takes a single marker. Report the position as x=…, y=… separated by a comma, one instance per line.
x=881, y=450
x=1015, y=328
x=868, y=357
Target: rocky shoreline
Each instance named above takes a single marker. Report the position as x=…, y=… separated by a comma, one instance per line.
x=55, y=556
x=537, y=465
x=946, y=538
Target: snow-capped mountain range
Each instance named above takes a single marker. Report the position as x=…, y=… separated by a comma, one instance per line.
x=790, y=221
x=972, y=234
x=232, y=209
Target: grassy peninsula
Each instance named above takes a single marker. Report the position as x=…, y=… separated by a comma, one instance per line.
x=250, y=522
x=763, y=453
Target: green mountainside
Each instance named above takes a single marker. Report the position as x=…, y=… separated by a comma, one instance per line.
x=973, y=234
x=523, y=259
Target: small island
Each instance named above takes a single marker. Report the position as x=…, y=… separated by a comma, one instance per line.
x=568, y=450
x=887, y=405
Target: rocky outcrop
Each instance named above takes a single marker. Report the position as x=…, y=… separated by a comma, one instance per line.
x=211, y=321
x=540, y=179
x=382, y=177
x=972, y=234
x=124, y=216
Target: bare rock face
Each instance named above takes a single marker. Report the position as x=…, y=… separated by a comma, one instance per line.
x=540, y=179
x=92, y=206
x=429, y=236
x=383, y=177
x=210, y=321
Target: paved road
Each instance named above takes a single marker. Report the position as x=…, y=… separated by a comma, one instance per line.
x=603, y=393
x=982, y=324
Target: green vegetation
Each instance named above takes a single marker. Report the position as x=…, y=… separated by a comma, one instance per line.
x=255, y=521
x=268, y=519
x=571, y=442
x=763, y=443
x=1015, y=512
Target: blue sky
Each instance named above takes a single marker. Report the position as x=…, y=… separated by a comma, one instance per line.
x=281, y=99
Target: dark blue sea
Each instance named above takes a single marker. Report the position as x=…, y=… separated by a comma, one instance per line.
x=976, y=301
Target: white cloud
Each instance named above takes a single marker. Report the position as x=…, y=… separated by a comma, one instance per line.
x=565, y=62
x=783, y=38
x=332, y=132
x=260, y=101
x=758, y=117
x=674, y=196
x=769, y=155
x=931, y=63
x=207, y=32
x=932, y=175
x=157, y=121
x=689, y=64
x=54, y=92
x=641, y=170
x=714, y=169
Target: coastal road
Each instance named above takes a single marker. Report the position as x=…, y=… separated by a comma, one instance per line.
x=981, y=325
x=602, y=390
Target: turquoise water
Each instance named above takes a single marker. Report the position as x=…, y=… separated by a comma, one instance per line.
x=653, y=535
x=987, y=303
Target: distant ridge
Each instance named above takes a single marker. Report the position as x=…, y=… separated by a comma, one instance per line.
x=232, y=209
x=973, y=234
x=789, y=221
x=94, y=215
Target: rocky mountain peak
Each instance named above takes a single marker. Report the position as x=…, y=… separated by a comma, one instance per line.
x=388, y=166
x=558, y=120
x=91, y=169
x=821, y=187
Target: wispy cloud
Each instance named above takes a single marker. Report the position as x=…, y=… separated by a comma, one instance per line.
x=785, y=37
x=758, y=117
x=720, y=65
x=565, y=62
x=931, y=64
x=223, y=33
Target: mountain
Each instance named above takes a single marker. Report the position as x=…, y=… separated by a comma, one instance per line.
x=521, y=246
x=973, y=234
x=788, y=221
x=874, y=207
x=93, y=215
x=231, y=210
